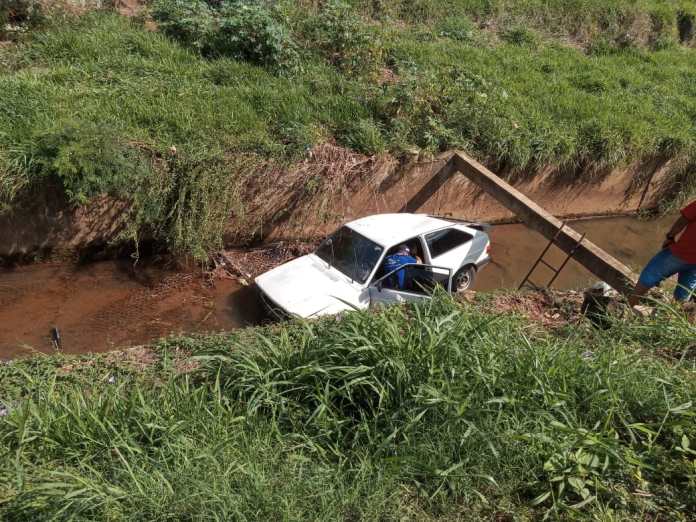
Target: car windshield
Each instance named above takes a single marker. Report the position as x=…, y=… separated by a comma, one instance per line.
x=350, y=253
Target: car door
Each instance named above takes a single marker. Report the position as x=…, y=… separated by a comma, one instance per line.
x=420, y=283
x=449, y=247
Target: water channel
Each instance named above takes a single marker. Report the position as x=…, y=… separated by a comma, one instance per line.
x=113, y=304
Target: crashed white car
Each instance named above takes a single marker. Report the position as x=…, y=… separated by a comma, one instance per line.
x=348, y=269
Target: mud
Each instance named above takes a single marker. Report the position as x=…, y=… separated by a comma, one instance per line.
x=113, y=304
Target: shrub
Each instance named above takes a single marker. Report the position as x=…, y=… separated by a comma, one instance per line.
x=520, y=36
x=88, y=159
x=185, y=203
x=248, y=31
x=188, y=21
x=459, y=28
x=341, y=36
x=364, y=136
x=242, y=30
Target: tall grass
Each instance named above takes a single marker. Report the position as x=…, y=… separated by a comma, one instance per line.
x=425, y=412
x=98, y=101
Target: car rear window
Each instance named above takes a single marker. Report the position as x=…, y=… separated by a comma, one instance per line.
x=443, y=241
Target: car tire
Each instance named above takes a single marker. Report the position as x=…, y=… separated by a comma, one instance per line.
x=463, y=280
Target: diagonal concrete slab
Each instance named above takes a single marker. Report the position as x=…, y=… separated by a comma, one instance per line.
x=597, y=261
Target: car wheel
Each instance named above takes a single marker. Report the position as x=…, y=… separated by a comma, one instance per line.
x=463, y=279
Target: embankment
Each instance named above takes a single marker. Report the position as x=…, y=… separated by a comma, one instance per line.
x=442, y=411
x=331, y=186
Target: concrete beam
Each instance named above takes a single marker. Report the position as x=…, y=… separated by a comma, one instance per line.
x=589, y=255
x=433, y=184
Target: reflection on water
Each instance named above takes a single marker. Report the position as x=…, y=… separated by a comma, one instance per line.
x=111, y=304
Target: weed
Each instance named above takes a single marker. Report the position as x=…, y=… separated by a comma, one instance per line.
x=248, y=31
x=428, y=411
x=248, y=80
x=341, y=36
x=237, y=29
x=189, y=22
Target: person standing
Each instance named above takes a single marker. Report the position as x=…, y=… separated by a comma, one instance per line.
x=677, y=257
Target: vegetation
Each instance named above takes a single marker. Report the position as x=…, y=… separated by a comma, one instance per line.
x=434, y=411
x=97, y=101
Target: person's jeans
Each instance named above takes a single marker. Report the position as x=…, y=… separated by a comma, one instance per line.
x=664, y=265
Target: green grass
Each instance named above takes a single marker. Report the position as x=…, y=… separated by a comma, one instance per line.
x=436, y=411
x=96, y=102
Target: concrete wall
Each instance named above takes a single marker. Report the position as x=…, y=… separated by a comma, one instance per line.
x=618, y=191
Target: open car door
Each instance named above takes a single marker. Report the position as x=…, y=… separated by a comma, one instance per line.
x=419, y=282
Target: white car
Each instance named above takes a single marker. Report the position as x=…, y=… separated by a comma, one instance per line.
x=347, y=270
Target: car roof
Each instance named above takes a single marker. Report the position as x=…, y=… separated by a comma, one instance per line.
x=391, y=229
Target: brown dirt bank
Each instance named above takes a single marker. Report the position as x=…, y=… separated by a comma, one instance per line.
x=330, y=186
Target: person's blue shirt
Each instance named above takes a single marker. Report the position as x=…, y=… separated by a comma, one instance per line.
x=395, y=261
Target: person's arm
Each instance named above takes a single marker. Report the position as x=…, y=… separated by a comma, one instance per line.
x=679, y=225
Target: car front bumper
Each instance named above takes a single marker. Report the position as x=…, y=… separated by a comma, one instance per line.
x=273, y=309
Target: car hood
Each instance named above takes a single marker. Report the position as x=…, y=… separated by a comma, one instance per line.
x=308, y=288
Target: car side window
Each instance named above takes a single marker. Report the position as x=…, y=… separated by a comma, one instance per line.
x=442, y=241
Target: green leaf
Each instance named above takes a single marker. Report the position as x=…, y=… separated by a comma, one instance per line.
x=681, y=408
x=538, y=500
x=576, y=483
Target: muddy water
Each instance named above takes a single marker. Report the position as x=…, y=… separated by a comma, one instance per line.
x=111, y=304
x=515, y=248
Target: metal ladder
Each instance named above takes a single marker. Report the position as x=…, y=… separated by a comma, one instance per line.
x=556, y=271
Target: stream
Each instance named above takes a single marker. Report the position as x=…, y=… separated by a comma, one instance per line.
x=113, y=304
